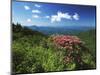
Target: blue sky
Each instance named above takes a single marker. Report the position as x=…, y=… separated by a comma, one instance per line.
x=50, y=14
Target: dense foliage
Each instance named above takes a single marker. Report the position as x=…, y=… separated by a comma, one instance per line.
x=33, y=52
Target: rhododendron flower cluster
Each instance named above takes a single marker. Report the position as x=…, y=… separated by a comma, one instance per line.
x=66, y=41
x=69, y=43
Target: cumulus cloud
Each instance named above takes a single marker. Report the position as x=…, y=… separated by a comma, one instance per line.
x=55, y=18
x=76, y=16
x=26, y=7
x=28, y=20
x=37, y=5
x=60, y=16
x=36, y=11
x=35, y=16
x=47, y=17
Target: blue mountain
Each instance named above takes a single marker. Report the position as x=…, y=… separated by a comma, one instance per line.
x=60, y=30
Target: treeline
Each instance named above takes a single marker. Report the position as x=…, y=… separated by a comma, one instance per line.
x=19, y=31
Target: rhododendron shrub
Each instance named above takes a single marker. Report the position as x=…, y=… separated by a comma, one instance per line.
x=74, y=49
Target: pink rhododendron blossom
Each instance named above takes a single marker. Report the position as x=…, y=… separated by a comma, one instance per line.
x=66, y=41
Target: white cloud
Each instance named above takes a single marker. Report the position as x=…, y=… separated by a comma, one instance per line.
x=55, y=18
x=35, y=16
x=47, y=17
x=37, y=5
x=64, y=15
x=60, y=16
x=28, y=20
x=76, y=16
x=26, y=7
x=36, y=11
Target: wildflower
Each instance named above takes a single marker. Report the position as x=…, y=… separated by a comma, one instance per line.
x=66, y=41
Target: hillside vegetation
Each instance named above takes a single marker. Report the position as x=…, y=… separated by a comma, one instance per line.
x=34, y=52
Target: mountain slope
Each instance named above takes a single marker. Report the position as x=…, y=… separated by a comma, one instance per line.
x=19, y=31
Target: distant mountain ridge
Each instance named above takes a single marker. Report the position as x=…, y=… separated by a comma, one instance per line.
x=60, y=30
